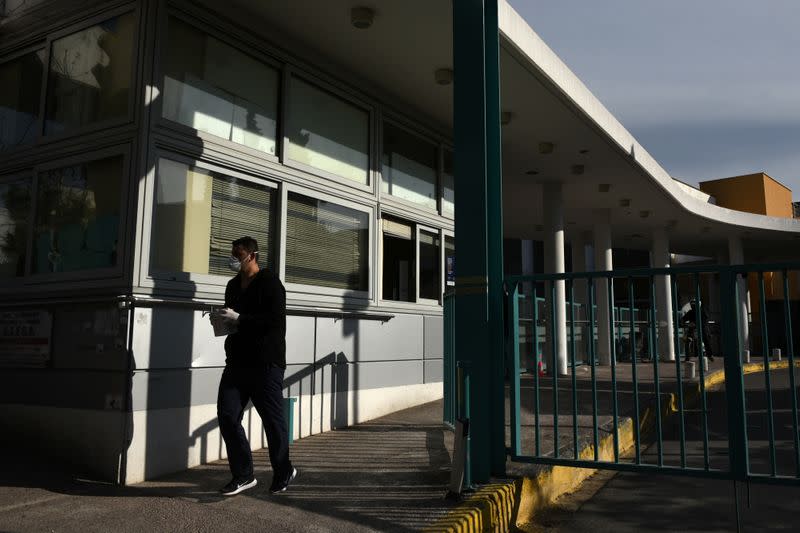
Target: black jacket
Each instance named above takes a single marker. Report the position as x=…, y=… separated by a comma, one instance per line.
x=261, y=336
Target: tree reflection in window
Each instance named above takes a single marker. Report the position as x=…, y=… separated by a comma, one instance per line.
x=78, y=217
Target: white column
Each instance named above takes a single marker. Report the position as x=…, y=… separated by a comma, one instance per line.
x=580, y=294
x=661, y=259
x=736, y=257
x=603, y=260
x=554, y=263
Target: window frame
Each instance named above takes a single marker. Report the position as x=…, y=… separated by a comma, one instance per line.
x=242, y=47
x=438, y=233
x=445, y=234
x=418, y=303
x=183, y=281
x=306, y=289
x=291, y=71
x=402, y=203
x=135, y=78
x=124, y=210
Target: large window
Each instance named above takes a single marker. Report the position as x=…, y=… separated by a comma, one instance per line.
x=327, y=245
x=327, y=133
x=448, y=185
x=90, y=75
x=199, y=213
x=213, y=87
x=77, y=216
x=20, y=91
x=409, y=167
x=15, y=208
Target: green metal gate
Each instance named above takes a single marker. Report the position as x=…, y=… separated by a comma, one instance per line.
x=643, y=414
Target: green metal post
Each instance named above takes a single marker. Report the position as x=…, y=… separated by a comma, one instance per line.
x=734, y=378
x=787, y=315
x=554, y=368
x=700, y=354
x=574, y=373
x=614, y=406
x=479, y=226
x=767, y=380
x=592, y=363
x=676, y=322
x=634, y=377
x=512, y=345
x=656, y=384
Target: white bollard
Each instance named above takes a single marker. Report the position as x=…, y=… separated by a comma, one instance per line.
x=688, y=370
x=705, y=364
x=747, y=356
x=776, y=354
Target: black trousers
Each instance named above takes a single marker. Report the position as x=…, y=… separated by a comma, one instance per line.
x=264, y=387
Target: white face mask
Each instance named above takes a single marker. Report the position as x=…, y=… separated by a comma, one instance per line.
x=234, y=264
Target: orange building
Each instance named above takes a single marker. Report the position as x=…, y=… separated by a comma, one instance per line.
x=761, y=194
x=753, y=193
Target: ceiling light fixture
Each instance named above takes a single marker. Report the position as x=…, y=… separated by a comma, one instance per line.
x=532, y=172
x=624, y=202
x=443, y=76
x=546, y=147
x=644, y=213
x=604, y=187
x=583, y=151
x=362, y=17
x=577, y=169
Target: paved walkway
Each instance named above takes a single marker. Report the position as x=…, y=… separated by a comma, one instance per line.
x=390, y=474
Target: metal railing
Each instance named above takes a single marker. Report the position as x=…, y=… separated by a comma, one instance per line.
x=648, y=413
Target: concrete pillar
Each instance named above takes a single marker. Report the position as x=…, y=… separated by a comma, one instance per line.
x=736, y=257
x=603, y=260
x=661, y=259
x=580, y=294
x=554, y=264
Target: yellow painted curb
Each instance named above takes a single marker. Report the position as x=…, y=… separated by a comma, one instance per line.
x=502, y=507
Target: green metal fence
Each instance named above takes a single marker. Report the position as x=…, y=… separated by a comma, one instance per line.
x=646, y=414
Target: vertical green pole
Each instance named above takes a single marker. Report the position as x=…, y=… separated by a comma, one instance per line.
x=572, y=361
x=479, y=226
x=787, y=315
x=676, y=322
x=634, y=378
x=554, y=368
x=595, y=436
x=767, y=380
x=734, y=378
x=698, y=324
x=656, y=385
x=614, y=406
x=512, y=345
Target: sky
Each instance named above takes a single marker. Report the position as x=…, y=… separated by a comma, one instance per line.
x=711, y=88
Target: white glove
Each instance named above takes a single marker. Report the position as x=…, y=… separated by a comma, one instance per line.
x=229, y=315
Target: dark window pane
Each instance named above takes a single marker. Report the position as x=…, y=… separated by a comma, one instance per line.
x=77, y=216
x=15, y=212
x=20, y=91
x=90, y=75
x=398, y=261
x=429, y=266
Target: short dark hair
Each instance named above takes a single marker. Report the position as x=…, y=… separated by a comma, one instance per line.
x=248, y=243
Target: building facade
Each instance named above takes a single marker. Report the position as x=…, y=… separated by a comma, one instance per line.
x=137, y=140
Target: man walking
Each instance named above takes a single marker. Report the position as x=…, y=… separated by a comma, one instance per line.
x=255, y=310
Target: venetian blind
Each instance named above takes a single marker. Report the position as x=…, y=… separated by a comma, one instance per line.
x=326, y=244
x=239, y=208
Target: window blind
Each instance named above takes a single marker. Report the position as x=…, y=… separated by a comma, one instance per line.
x=326, y=244
x=239, y=208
